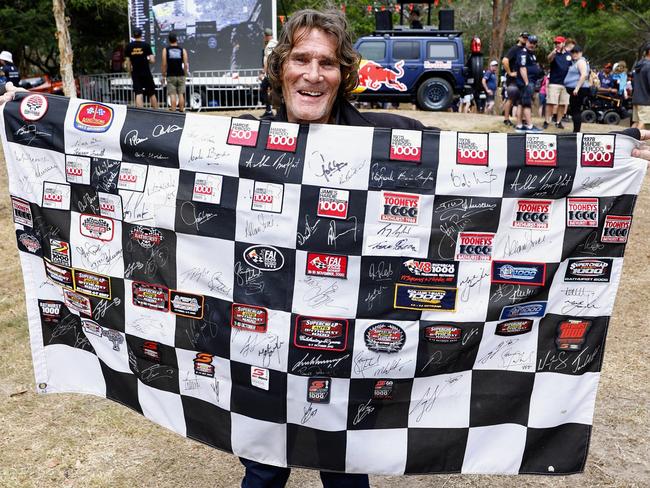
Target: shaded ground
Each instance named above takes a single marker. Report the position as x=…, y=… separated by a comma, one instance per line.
x=74, y=440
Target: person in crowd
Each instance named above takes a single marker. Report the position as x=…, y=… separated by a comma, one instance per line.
x=528, y=72
x=606, y=80
x=175, y=69
x=577, y=85
x=557, y=97
x=512, y=89
x=465, y=106
x=543, y=94
x=9, y=70
x=489, y=82
x=265, y=98
x=620, y=78
x=641, y=91
x=414, y=19
x=139, y=56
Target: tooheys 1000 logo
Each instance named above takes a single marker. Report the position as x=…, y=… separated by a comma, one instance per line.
x=472, y=149
x=474, y=246
x=598, y=150
x=401, y=208
x=533, y=214
x=582, y=212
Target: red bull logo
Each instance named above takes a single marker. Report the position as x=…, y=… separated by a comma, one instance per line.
x=372, y=76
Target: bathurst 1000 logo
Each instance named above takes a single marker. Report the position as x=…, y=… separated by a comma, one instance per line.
x=598, y=151
x=472, y=149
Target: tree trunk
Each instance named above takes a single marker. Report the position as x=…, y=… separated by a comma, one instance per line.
x=65, y=48
x=501, y=10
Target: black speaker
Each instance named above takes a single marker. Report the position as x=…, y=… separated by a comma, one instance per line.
x=383, y=20
x=446, y=19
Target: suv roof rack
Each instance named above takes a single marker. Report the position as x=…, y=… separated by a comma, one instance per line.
x=417, y=33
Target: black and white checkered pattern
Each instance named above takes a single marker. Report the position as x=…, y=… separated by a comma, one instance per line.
x=480, y=402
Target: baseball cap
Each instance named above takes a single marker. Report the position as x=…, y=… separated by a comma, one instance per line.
x=494, y=62
x=577, y=49
x=137, y=32
x=524, y=34
x=6, y=56
x=559, y=39
x=268, y=32
x=532, y=39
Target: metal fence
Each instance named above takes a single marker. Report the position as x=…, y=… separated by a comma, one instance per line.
x=205, y=90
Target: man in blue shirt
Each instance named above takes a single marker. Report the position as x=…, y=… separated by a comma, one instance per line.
x=556, y=95
x=606, y=78
x=9, y=70
x=490, y=85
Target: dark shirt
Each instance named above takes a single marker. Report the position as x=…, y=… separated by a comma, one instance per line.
x=606, y=81
x=138, y=52
x=11, y=73
x=641, y=83
x=490, y=80
x=513, y=55
x=175, y=61
x=559, y=67
x=528, y=60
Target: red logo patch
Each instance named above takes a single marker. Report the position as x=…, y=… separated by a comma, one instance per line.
x=331, y=265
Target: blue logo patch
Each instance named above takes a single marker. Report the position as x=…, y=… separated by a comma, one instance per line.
x=518, y=273
x=413, y=297
x=528, y=309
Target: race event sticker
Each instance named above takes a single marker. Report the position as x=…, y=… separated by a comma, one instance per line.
x=597, y=150
x=50, y=311
x=333, y=203
x=264, y=258
x=597, y=270
x=267, y=197
x=243, y=132
x=616, y=229
x=151, y=351
x=147, y=295
x=321, y=333
x=33, y=107
x=318, y=390
x=533, y=214
x=384, y=337
x=424, y=272
x=28, y=241
x=260, y=378
x=112, y=335
x=146, y=237
x=77, y=169
x=472, y=148
x=207, y=188
x=132, y=177
x=582, y=212
x=77, y=302
x=528, y=309
x=59, y=275
x=416, y=297
x=93, y=117
x=399, y=208
x=203, y=364
x=383, y=390
x=92, y=284
x=283, y=136
x=22, y=212
x=519, y=273
x=442, y=334
x=571, y=334
x=514, y=327
x=541, y=150
x=95, y=227
x=249, y=317
x=331, y=265
x=56, y=195
x=110, y=205
x=186, y=304
x=406, y=145
x=60, y=252
x=474, y=246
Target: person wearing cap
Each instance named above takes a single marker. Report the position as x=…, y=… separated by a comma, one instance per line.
x=577, y=85
x=557, y=97
x=9, y=70
x=490, y=85
x=512, y=90
x=606, y=79
x=528, y=72
x=641, y=91
x=269, y=44
x=175, y=68
x=139, y=56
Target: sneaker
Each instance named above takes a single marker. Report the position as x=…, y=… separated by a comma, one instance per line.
x=559, y=125
x=566, y=118
x=507, y=123
x=545, y=125
x=267, y=114
x=520, y=128
x=532, y=128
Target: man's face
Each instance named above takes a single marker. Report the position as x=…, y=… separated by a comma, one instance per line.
x=531, y=46
x=559, y=46
x=311, y=77
x=493, y=68
x=569, y=46
x=522, y=40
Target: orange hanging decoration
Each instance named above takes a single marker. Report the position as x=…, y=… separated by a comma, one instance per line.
x=282, y=19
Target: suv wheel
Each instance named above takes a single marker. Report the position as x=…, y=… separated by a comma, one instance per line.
x=435, y=94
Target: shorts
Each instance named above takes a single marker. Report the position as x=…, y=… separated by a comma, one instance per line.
x=176, y=85
x=543, y=99
x=143, y=85
x=556, y=95
x=468, y=98
x=489, y=98
x=513, y=93
x=641, y=114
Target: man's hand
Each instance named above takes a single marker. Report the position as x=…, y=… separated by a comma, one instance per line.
x=10, y=93
x=644, y=151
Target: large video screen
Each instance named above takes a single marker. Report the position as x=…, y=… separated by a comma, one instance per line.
x=218, y=34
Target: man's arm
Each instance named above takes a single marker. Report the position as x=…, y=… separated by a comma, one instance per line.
x=506, y=65
x=163, y=65
x=485, y=87
x=551, y=55
x=186, y=63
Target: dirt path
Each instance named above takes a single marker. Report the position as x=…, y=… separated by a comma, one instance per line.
x=74, y=440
